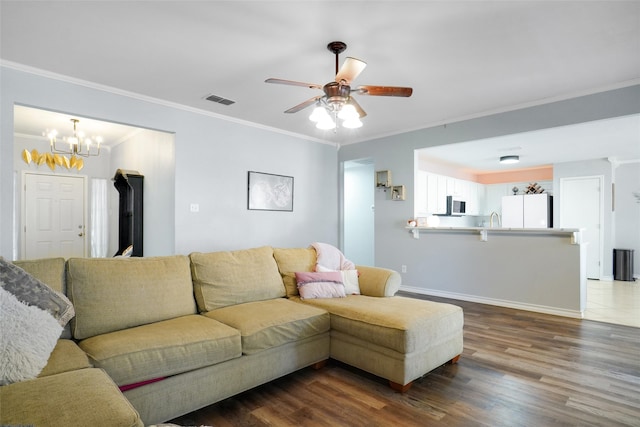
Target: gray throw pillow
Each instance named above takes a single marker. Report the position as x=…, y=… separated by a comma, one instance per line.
x=31, y=291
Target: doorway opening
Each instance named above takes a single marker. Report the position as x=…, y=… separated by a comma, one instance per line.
x=151, y=152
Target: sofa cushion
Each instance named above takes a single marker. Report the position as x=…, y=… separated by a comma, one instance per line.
x=291, y=260
x=111, y=294
x=221, y=279
x=86, y=397
x=401, y=324
x=161, y=349
x=267, y=324
x=47, y=270
x=66, y=356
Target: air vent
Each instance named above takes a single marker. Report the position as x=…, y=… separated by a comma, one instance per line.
x=219, y=100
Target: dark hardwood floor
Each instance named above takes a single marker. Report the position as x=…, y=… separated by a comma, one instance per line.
x=518, y=368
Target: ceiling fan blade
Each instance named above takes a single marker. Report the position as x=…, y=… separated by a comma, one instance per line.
x=359, y=109
x=294, y=83
x=350, y=69
x=384, y=91
x=304, y=104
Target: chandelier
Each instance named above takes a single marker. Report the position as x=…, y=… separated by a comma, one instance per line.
x=76, y=145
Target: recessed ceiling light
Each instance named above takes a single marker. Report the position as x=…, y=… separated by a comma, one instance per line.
x=507, y=160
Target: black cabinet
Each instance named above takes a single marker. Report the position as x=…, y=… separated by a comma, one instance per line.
x=130, y=185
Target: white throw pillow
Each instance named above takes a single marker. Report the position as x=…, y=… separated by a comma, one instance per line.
x=27, y=338
x=349, y=278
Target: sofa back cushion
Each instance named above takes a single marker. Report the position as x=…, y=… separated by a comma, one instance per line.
x=48, y=270
x=110, y=294
x=221, y=279
x=292, y=260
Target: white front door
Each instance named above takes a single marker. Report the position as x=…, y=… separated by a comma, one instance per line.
x=581, y=207
x=53, y=216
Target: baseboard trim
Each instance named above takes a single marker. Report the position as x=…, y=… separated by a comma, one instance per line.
x=576, y=314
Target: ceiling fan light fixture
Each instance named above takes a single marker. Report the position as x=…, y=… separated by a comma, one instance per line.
x=509, y=160
x=326, y=123
x=354, y=123
x=348, y=112
x=318, y=113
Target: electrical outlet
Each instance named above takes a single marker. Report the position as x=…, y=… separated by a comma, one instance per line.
x=404, y=268
x=194, y=207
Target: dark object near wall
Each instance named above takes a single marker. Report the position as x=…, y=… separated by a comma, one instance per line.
x=130, y=185
x=623, y=264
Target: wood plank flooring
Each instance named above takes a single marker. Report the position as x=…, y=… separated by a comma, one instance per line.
x=518, y=368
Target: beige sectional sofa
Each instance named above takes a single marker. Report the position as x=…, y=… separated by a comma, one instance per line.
x=155, y=338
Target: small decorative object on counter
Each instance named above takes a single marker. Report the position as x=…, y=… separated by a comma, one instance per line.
x=515, y=190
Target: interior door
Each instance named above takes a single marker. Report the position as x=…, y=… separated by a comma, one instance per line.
x=53, y=216
x=581, y=207
x=358, y=213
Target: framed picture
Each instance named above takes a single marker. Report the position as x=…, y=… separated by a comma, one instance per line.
x=269, y=192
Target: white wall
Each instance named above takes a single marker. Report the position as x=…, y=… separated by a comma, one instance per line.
x=627, y=212
x=212, y=157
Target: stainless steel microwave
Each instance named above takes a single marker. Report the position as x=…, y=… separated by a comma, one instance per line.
x=456, y=206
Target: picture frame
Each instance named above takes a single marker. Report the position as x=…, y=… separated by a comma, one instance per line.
x=269, y=192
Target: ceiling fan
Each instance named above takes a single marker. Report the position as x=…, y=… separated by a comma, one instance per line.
x=337, y=100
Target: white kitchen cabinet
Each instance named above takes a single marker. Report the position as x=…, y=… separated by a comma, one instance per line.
x=527, y=211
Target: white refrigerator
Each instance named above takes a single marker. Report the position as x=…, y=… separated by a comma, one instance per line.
x=527, y=211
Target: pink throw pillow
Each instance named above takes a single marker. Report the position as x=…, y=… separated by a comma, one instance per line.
x=313, y=285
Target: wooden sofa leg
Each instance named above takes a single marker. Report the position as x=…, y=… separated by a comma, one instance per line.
x=399, y=387
x=454, y=360
x=319, y=365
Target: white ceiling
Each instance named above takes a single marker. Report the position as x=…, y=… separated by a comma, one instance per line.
x=463, y=58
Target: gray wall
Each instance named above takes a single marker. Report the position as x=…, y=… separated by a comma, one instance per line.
x=393, y=248
x=212, y=157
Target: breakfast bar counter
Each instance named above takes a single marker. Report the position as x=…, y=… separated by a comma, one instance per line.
x=537, y=269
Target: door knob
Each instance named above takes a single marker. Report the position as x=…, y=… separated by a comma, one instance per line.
x=81, y=234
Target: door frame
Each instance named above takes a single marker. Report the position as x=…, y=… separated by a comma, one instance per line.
x=600, y=179
x=23, y=207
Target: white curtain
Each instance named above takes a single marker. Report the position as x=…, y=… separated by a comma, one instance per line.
x=99, y=218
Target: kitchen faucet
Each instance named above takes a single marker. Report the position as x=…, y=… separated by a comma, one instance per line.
x=491, y=219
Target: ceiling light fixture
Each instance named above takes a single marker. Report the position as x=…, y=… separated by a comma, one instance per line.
x=508, y=160
x=327, y=113
x=78, y=144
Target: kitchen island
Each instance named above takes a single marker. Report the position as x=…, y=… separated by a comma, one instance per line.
x=536, y=269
